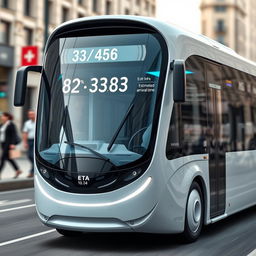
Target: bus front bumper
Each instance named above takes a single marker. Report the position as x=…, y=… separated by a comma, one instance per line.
x=135, y=207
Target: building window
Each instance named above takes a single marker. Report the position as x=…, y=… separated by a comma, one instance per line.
x=27, y=7
x=65, y=14
x=4, y=3
x=220, y=8
x=204, y=27
x=28, y=36
x=80, y=2
x=4, y=73
x=220, y=26
x=108, y=7
x=80, y=15
x=138, y=2
x=221, y=39
x=127, y=11
x=50, y=11
x=4, y=32
x=153, y=10
x=95, y=5
x=147, y=5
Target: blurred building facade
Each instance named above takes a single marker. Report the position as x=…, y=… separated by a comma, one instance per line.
x=22, y=24
x=232, y=23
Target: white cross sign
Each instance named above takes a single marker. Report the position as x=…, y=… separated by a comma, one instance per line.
x=29, y=56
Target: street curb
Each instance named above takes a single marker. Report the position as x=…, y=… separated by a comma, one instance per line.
x=16, y=184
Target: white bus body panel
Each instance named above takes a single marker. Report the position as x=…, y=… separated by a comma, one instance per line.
x=241, y=180
x=159, y=208
x=85, y=213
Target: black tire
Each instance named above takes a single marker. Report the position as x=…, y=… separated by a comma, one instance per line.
x=68, y=233
x=194, y=217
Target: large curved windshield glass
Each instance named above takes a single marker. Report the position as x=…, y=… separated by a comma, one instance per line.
x=98, y=97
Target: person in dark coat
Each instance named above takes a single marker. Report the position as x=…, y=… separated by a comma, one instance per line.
x=8, y=139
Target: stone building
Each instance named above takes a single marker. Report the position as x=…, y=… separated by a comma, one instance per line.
x=232, y=23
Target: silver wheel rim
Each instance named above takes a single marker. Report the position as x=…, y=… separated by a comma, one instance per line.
x=194, y=211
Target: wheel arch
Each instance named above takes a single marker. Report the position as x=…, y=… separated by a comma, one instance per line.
x=181, y=181
x=200, y=181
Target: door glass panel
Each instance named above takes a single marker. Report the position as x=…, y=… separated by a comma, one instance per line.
x=216, y=139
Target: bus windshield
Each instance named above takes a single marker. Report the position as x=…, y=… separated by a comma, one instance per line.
x=97, y=98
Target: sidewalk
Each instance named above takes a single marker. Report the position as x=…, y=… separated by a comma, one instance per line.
x=8, y=183
x=8, y=173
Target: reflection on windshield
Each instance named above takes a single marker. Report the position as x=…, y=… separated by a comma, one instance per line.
x=93, y=84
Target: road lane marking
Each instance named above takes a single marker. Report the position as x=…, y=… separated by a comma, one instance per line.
x=16, y=191
x=17, y=208
x=7, y=202
x=253, y=253
x=26, y=237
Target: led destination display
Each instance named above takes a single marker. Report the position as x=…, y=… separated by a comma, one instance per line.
x=124, y=53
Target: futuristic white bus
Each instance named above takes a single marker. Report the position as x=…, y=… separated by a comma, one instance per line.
x=142, y=127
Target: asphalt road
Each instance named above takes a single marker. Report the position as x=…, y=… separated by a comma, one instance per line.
x=21, y=233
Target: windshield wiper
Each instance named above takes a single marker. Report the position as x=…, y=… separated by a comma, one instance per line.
x=91, y=150
x=120, y=127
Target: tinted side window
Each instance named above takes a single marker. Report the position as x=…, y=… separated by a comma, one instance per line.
x=249, y=119
x=188, y=123
x=174, y=146
x=252, y=141
x=192, y=121
x=194, y=110
x=235, y=87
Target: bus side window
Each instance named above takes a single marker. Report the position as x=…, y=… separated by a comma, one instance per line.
x=252, y=142
x=235, y=88
x=250, y=131
x=174, y=147
x=194, y=110
x=239, y=112
x=188, y=125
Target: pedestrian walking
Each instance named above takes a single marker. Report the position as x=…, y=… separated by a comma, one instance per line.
x=9, y=139
x=28, y=139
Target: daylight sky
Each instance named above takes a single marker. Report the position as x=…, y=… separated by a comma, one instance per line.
x=185, y=13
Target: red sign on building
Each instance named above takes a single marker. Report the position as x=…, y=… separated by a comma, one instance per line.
x=29, y=56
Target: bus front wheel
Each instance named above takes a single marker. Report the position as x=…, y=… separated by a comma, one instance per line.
x=194, y=213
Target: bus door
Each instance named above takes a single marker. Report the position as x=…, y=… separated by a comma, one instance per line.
x=216, y=149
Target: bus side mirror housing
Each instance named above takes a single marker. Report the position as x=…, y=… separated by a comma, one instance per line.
x=179, y=80
x=21, y=83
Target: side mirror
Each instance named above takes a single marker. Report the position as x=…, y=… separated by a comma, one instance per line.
x=21, y=83
x=179, y=80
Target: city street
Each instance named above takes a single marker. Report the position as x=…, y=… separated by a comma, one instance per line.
x=22, y=233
